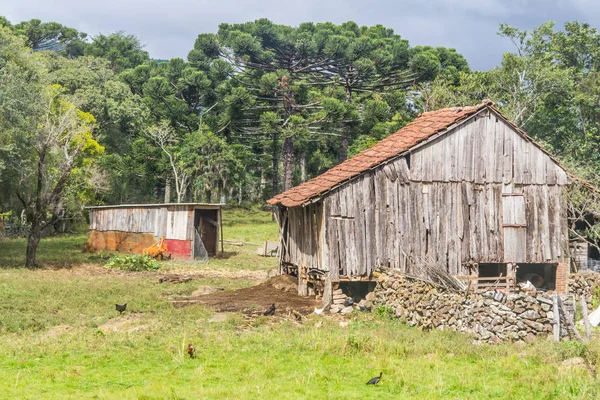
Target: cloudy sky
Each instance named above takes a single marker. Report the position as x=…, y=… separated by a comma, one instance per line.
x=168, y=27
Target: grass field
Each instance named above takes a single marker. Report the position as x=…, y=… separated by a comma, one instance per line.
x=55, y=343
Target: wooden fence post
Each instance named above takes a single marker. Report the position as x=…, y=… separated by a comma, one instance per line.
x=556, y=326
x=586, y=320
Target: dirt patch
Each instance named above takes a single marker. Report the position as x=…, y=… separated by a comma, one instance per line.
x=128, y=323
x=281, y=291
x=204, y=290
x=57, y=331
x=91, y=270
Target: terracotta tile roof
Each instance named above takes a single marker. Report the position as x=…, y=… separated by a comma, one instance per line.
x=423, y=127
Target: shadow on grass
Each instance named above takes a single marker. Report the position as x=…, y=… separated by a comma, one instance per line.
x=61, y=251
x=225, y=255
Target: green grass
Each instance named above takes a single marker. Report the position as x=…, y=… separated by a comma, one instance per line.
x=239, y=359
x=250, y=226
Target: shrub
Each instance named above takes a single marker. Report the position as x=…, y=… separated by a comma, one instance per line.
x=134, y=262
x=384, y=311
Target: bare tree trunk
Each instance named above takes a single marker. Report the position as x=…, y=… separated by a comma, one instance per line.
x=168, y=191
x=33, y=240
x=343, y=153
x=60, y=223
x=303, y=168
x=288, y=166
x=37, y=215
x=275, y=151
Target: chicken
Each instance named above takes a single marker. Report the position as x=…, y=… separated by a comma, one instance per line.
x=270, y=311
x=121, y=308
x=191, y=351
x=375, y=381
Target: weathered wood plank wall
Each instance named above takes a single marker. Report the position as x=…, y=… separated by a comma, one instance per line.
x=304, y=236
x=172, y=221
x=138, y=220
x=481, y=193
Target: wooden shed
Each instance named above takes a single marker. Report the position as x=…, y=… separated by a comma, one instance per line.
x=463, y=188
x=190, y=229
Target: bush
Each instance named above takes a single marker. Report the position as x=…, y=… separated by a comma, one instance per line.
x=135, y=262
x=386, y=312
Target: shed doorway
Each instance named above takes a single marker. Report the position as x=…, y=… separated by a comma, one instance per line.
x=206, y=227
x=542, y=276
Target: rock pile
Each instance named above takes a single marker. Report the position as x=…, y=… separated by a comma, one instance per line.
x=341, y=303
x=586, y=284
x=490, y=317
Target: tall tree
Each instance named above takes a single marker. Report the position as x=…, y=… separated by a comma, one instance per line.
x=120, y=49
x=52, y=36
x=59, y=141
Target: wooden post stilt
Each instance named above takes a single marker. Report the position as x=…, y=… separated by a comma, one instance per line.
x=586, y=320
x=556, y=327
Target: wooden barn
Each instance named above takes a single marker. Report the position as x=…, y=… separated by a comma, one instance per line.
x=462, y=188
x=191, y=230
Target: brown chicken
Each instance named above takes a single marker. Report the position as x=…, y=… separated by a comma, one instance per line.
x=191, y=351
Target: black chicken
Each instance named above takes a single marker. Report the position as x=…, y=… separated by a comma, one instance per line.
x=375, y=381
x=270, y=311
x=121, y=308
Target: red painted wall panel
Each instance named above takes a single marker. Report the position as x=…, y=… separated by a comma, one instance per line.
x=179, y=249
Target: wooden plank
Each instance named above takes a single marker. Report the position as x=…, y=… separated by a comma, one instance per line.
x=359, y=225
x=480, y=149
x=381, y=192
x=402, y=169
x=491, y=222
x=416, y=166
x=508, y=151
x=498, y=149
x=546, y=250
x=529, y=165
x=556, y=312
x=551, y=168
x=460, y=137
x=451, y=151
x=391, y=224
x=469, y=150
x=514, y=244
x=370, y=228
x=427, y=162
x=561, y=177
x=489, y=144
x=586, y=319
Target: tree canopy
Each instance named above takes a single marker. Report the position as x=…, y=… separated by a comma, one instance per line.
x=259, y=107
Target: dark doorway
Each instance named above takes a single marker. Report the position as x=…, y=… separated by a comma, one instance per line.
x=358, y=290
x=207, y=226
x=542, y=276
x=492, y=270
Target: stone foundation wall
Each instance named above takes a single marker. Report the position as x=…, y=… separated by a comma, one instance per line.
x=490, y=317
